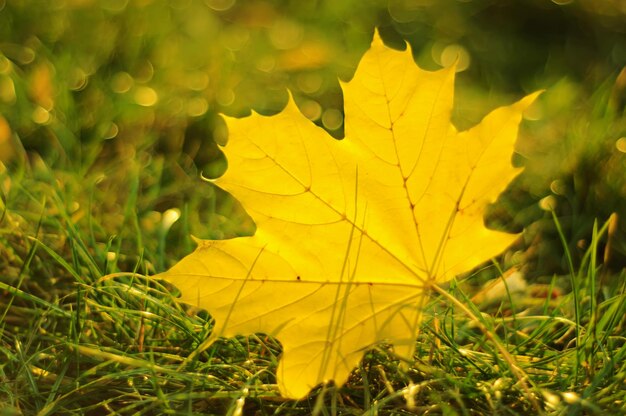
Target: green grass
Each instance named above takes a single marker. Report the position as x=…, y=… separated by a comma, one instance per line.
x=83, y=330
x=91, y=178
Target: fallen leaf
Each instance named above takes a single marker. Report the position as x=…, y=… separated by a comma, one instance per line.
x=511, y=284
x=352, y=233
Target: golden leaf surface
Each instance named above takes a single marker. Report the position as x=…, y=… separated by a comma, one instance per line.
x=351, y=233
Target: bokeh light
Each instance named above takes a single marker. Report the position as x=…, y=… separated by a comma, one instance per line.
x=332, y=119
x=145, y=96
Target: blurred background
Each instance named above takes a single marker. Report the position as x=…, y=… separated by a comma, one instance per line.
x=116, y=105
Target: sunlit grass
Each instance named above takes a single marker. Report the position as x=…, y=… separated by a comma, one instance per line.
x=85, y=331
x=102, y=189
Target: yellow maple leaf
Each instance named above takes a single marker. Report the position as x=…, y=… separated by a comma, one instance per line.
x=352, y=233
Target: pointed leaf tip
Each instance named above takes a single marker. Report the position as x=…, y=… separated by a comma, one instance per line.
x=376, y=39
x=528, y=100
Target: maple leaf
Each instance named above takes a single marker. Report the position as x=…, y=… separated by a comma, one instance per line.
x=352, y=233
